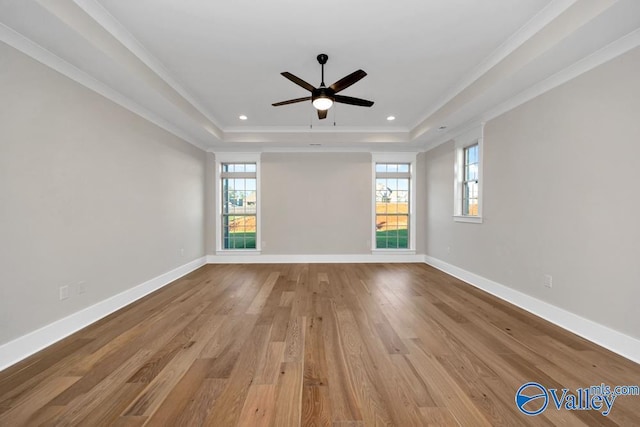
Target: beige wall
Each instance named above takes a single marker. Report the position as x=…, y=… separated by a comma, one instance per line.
x=316, y=203
x=560, y=198
x=210, y=201
x=421, y=202
x=88, y=192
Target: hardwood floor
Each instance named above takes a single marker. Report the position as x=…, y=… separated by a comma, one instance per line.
x=316, y=345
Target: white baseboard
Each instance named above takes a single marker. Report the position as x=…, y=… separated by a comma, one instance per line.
x=249, y=258
x=611, y=339
x=26, y=345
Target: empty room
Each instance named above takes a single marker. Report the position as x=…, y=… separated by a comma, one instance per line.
x=286, y=213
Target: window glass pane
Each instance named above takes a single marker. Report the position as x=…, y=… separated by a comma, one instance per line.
x=239, y=167
x=403, y=185
x=383, y=192
x=470, y=181
x=240, y=233
x=239, y=198
x=392, y=231
x=473, y=190
x=403, y=205
x=473, y=207
x=392, y=207
x=471, y=172
x=250, y=202
x=473, y=154
x=392, y=186
x=470, y=198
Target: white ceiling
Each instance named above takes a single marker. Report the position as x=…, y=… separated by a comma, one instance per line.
x=193, y=66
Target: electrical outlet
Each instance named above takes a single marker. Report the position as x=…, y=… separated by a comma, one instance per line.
x=82, y=287
x=181, y=251
x=64, y=292
x=548, y=281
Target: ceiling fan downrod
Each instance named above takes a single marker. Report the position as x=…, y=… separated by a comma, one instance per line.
x=322, y=59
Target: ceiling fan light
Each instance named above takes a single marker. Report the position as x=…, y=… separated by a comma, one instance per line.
x=322, y=103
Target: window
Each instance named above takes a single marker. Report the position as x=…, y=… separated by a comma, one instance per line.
x=393, y=226
x=468, y=177
x=470, y=181
x=237, y=222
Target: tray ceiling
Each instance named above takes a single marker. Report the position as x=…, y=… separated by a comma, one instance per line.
x=194, y=67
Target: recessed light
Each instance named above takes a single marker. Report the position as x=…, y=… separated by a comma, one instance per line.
x=242, y=117
x=391, y=118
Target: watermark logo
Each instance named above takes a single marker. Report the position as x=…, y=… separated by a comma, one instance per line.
x=533, y=398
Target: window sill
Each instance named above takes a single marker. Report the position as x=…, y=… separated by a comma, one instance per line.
x=238, y=252
x=471, y=219
x=393, y=251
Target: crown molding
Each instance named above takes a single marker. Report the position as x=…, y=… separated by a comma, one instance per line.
x=601, y=56
x=80, y=21
x=47, y=58
x=318, y=136
x=541, y=34
x=318, y=129
x=532, y=27
x=107, y=21
x=297, y=148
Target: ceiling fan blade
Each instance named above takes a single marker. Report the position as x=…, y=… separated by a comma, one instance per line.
x=322, y=114
x=353, y=101
x=292, y=101
x=298, y=81
x=347, y=81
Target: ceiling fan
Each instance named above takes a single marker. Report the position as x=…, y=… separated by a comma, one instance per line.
x=323, y=97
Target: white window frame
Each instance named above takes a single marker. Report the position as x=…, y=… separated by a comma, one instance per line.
x=472, y=137
x=222, y=158
x=409, y=158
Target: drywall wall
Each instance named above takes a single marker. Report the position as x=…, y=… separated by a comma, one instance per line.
x=90, y=194
x=210, y=200
x=560, y=198
x=316, y=203
x=420, y=209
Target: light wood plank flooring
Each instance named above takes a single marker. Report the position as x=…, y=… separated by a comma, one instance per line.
x=312, y=344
